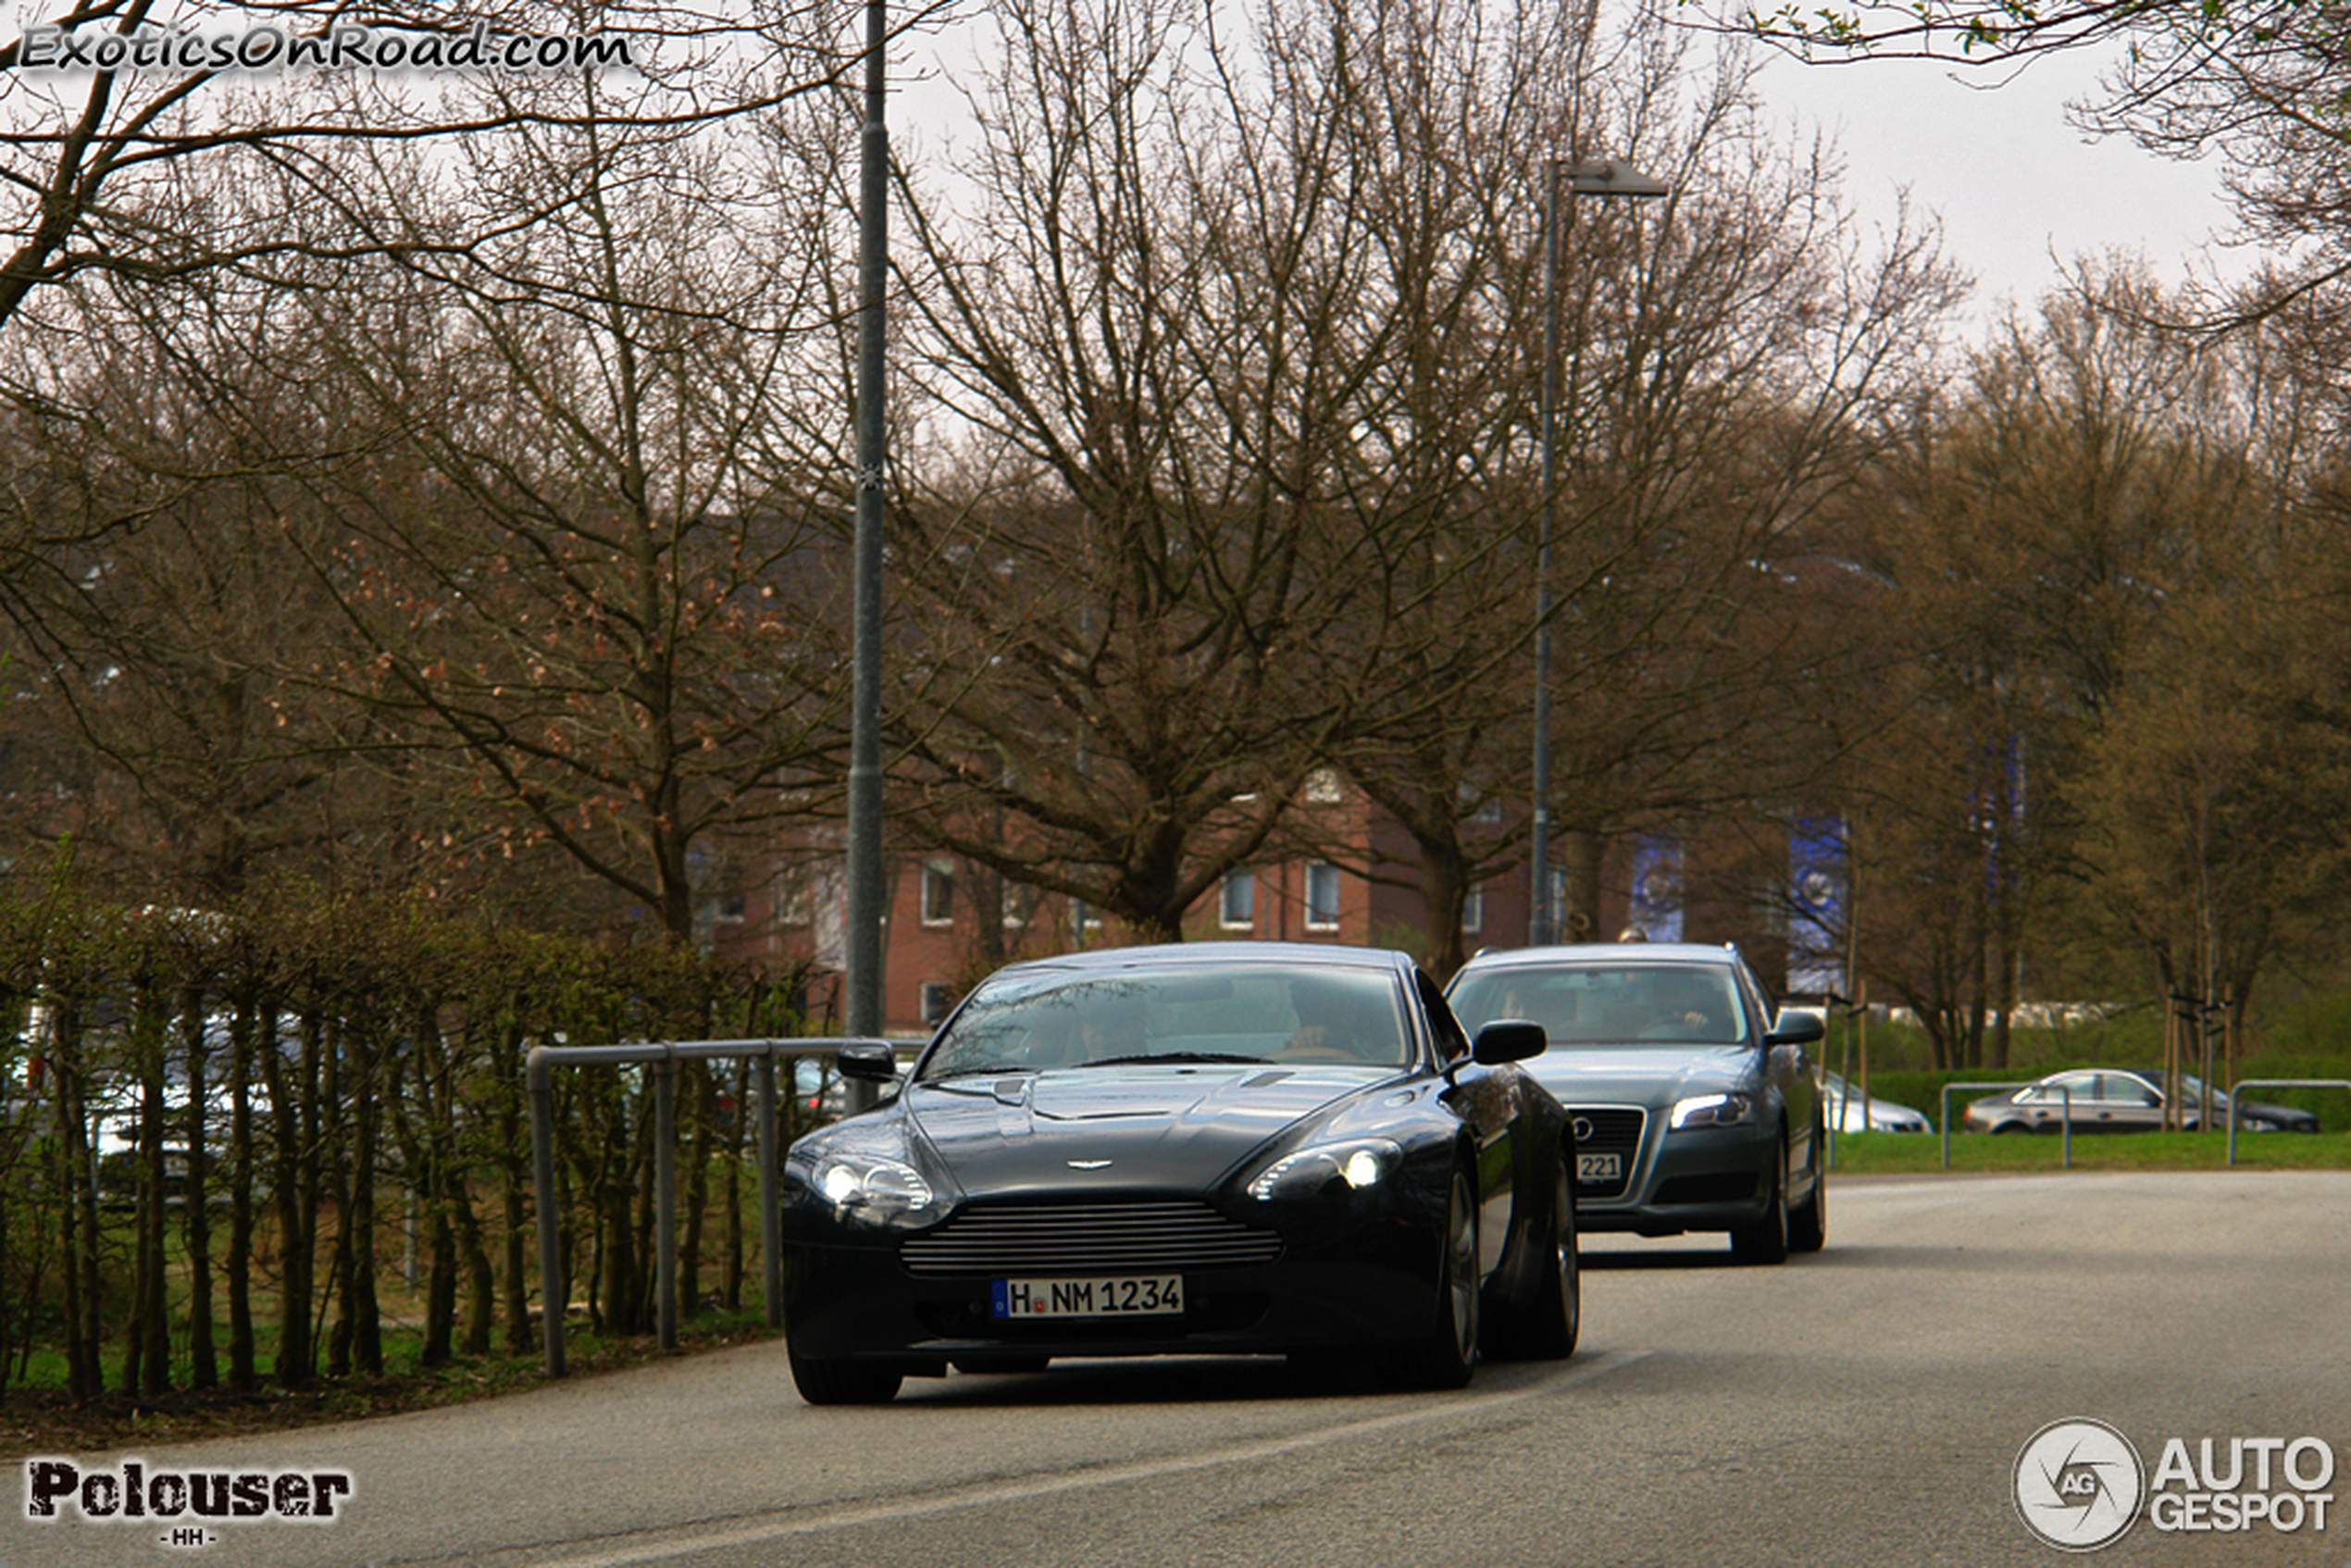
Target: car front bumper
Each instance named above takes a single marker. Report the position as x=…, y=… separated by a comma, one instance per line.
x=1693, y=1179
x=1351, y=1280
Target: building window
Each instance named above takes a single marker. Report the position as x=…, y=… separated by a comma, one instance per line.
x=1478, y=807
x=939, y=999
x=1237, y=904
x=1020, y=906
x=1321, y=896
x=939, y=893
x=1323, y=786
x=1474, y=908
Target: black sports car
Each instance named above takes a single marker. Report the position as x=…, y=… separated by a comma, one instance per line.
x=1231, y=1148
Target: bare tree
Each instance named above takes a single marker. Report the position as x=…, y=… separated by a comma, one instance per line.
x=1734, y=360
x=124, y=172
x=578, y=571
x=2061, y=542
x=153, y=604
x=1121, y=612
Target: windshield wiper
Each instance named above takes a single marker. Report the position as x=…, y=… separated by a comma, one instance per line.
x=1174, y=1056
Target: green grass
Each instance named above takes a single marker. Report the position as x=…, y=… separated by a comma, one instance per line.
x=1902, y=1154
x=1923, y=1092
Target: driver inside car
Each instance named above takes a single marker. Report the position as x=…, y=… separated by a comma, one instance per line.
x=1337, y=1022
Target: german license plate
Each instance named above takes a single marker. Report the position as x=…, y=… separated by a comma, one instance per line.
x=1113, y=1295
x=1600, y=1167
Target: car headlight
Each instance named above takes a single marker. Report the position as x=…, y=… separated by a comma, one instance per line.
x=863, y=1181
x=1364, y=1162
x=1712, y=1111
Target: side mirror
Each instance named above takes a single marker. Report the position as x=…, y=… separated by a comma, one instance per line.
x=868, y=1061
x=1794, y=1028
x=1509, y=1039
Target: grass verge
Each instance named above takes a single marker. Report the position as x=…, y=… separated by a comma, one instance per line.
x=1904, y=1154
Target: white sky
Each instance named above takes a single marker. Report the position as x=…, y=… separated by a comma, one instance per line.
x=2018, y=188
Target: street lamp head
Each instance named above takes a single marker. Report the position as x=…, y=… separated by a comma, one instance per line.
x=1605, y=178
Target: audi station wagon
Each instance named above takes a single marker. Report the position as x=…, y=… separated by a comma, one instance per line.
x=1693, y=1106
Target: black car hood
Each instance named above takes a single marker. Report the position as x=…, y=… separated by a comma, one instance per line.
x=1117, y=1128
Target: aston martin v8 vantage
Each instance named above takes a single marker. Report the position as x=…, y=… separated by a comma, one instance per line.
x=1247, y=1147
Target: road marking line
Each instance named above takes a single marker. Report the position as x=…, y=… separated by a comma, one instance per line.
x=986, y=1494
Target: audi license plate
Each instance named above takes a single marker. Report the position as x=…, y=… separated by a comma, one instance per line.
x=1113, y=1295
x=1600, y=1167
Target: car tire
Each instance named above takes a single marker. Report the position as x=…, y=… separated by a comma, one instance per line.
x=845, y=1382
x=2006, y=1127
x=1764, y=1240
x=1808, y=1223
x=1446, y=1357
x=1555, y=1317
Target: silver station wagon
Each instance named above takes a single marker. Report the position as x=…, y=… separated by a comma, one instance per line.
x=1693, y=1106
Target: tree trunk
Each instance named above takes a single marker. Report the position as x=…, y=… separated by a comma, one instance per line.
x=242, y=1373
x=204, y=1371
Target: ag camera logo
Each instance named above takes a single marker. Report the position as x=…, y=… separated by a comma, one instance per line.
x=2078, y=1484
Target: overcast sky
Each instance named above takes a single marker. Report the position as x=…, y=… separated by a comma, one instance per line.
x=2019, y=190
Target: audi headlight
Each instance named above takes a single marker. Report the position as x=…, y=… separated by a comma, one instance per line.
x=1712, y=1111
x=1363, y=1163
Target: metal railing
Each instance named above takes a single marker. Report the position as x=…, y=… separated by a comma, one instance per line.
x=2236, y=1094
x=665, y=1057
x=2065, y=1115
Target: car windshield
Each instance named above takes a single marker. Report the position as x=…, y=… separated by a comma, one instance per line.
x=1607, y=1004
x=1044, y=1020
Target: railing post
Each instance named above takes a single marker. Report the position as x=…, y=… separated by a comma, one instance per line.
x=666, y=1197
x=2065, y=1150
x=771, y=1222
x=542, y=1181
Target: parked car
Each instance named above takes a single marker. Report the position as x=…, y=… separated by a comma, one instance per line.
x=1693, y=1107
x=1209, y=1148
x=1847, y=1111
x=2119, y=1099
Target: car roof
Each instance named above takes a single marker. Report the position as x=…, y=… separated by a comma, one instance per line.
x=2152, y=1075
x=1161, y=955
x=1602, y=952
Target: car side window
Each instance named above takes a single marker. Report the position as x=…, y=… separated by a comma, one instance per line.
x=2080, y=1086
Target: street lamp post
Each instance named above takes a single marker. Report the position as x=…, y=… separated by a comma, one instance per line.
x=1591, y=178
x=862, y=939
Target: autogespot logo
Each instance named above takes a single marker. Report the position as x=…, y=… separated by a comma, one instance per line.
x=2078, y=1484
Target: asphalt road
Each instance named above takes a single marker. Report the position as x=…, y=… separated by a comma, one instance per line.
x=1867, y=1406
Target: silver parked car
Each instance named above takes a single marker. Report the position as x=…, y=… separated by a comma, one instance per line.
x=2119, y=1099
x=1849, y=1112
x=1693, y=1107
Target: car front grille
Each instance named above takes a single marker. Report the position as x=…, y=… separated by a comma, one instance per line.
x=1051, y=1239
x=1608, y=1129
